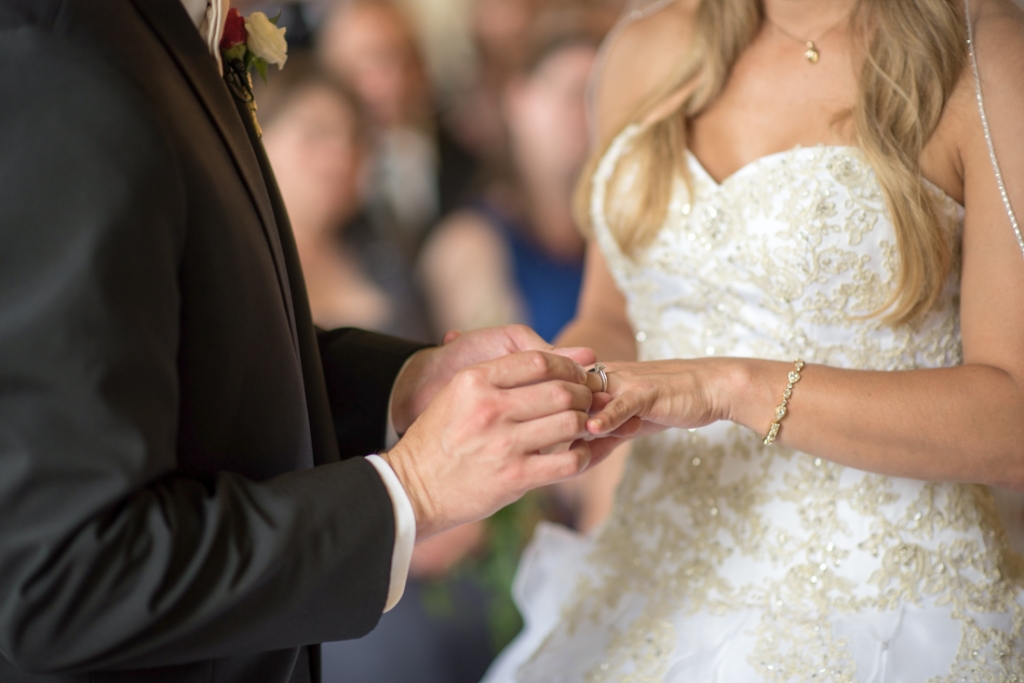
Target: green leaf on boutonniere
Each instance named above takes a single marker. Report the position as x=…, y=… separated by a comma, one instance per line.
x=261, y=68
x=239, y=52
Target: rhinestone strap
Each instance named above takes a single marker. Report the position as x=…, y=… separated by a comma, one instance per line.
x=780, y=412
x=988, y=133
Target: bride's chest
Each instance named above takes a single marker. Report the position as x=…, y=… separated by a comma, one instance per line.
x=795, y=223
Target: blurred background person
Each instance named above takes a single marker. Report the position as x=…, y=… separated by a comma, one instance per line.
x=315, y=137
x=515, y=254
x=419, y=172
x=498, y=30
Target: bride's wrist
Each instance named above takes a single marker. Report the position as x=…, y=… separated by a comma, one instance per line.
x=742, y=392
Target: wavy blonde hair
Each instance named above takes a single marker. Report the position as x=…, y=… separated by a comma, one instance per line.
x=915, y=52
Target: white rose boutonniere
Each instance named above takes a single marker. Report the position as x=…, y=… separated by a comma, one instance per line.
x=248, y=44
x=266, y=40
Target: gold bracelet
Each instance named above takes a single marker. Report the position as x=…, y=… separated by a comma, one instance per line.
x=780, y=412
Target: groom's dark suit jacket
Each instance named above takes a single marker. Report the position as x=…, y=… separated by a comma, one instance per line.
x=178, y=494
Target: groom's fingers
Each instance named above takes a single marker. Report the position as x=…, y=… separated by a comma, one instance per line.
x=547, y=398
x=601, y=448
x=580, y=354
x=548, y=469
x=543, y=433
x=525, y=339
x=531, y=367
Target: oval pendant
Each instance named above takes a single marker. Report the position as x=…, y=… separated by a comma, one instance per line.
x=811, y=53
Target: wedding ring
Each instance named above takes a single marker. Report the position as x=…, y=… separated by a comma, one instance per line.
x=599, y=368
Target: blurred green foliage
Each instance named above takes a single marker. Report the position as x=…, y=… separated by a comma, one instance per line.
x=494, y=567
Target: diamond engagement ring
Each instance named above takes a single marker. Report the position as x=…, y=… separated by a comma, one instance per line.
x=599, y=368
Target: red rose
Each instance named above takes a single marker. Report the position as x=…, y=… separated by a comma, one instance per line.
x=234, y=30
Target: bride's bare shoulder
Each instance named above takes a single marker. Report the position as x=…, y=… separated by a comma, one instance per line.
x=638, y=59
x=998, y=27
x=998, y=36
x=999, y=31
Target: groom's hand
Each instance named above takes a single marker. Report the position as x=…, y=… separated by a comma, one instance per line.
x=431, y=369
x=476, y=448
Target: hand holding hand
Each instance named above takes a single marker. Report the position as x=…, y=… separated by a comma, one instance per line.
x=477, y=447
x=431, y=369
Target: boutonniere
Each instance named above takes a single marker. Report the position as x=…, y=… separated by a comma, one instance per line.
x=250, y=43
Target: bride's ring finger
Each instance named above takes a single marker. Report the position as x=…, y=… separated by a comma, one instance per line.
x=597, y=378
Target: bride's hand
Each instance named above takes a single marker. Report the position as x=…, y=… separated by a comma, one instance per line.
x=663, y=394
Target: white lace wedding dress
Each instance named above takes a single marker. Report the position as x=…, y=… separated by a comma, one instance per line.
x=728, y=561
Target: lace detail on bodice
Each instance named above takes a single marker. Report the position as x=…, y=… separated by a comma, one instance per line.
x=783, y=259
x=781, y=556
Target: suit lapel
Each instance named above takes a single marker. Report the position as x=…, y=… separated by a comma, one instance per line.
x=171, y=24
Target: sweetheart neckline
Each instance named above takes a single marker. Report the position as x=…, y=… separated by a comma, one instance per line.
x=795, y=148
x=757, y=161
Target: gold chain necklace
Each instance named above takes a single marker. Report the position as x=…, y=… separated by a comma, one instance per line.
x=811, y=52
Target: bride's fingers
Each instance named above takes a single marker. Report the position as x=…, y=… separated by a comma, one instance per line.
x=594, y=383
x=628, y=429
x=614, y=385
x=614, y=415
x=599, y=401
x=451, y=335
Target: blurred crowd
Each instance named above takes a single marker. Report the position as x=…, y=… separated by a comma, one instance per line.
x=427, y=153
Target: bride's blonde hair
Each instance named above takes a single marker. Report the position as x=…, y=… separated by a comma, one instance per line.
x=913, y=61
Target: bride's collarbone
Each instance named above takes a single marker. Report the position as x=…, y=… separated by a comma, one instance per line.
x=769, y=106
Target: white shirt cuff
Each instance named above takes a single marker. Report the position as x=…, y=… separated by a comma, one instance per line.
x=405, y=529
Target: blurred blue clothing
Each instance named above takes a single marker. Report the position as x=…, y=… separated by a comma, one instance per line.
x=549, y=288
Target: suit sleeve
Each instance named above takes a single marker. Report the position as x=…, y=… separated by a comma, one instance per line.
x=109, y=557
x=360, y=368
